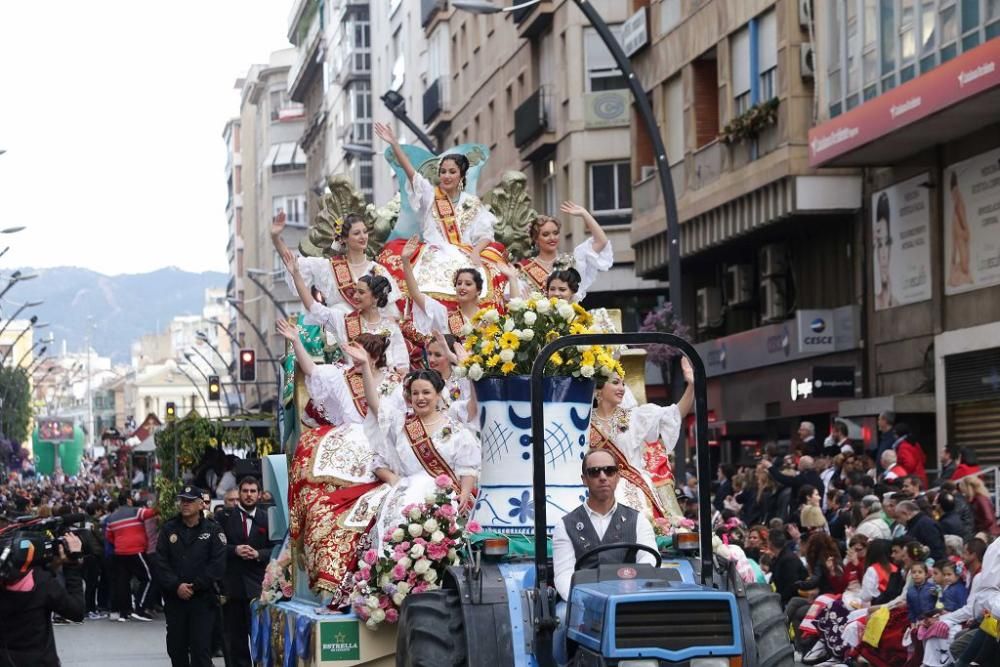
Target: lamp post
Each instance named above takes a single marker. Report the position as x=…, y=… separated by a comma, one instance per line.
x=236, y=346
x=33, y=325
x=397, y=106
x=225, y=391
x=203, y=337
x=29, y=351
x=196, y=386
x=252, y=275
x=274, y=365
x=12, y=230
x=26, y=304
x=188, y=355
x=15, y=278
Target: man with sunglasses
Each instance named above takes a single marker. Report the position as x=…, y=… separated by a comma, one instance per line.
x=599, y=520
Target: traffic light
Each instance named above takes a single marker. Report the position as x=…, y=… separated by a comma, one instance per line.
x=248, y=365
x=213, y=387
x=171, y=411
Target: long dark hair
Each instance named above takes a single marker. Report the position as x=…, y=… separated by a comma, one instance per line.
x=879, y=551
x=375, y=345
x=379, y=286
x=428, y=374
x=477, y=277
x=460, y=161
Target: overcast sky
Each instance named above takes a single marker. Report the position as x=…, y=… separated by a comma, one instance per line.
x=112, y=115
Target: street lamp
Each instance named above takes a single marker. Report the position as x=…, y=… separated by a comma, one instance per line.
x=203, y=337
x=197, y=387
x=12, y=230
x=397, y=106
x=27, y=304
x=15, y=278
x=274, y=364
x=252, y=275
x=29, y=351
x=32, y=323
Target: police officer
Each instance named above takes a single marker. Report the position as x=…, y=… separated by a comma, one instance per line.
x=191, y=554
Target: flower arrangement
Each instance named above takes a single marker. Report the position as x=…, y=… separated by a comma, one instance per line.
x=277, y=584
x=668, y=526
x=751, y=122
x=500, y=345
x=337, y=245
x=413, y=558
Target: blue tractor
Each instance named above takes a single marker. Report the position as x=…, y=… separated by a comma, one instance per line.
x=691, y=610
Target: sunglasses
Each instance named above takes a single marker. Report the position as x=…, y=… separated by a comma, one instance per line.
x=609, y=471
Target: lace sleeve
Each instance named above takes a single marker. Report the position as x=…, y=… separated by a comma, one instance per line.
x=482, y=225
x=589, y=263
x=468, y=452
x=420, y=192
x=650, y=422
x=432, y=316
x=397, y=355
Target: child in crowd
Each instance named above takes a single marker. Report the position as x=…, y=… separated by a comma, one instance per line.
x=922, y=596
x=953, y=593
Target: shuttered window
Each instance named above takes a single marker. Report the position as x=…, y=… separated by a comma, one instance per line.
x=972, y=382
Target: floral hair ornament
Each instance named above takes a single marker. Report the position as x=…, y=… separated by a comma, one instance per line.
x=338, y=230
x=563, y=262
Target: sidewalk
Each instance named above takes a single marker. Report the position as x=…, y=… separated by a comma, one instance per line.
x=98, y=643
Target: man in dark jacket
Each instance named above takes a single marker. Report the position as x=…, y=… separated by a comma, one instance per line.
x=807, y=475
x=951, y=520
x=921, y=528
x=886, y=436
x=962, y=507
x=248, y=549
x=787, y=567
x=26, y=607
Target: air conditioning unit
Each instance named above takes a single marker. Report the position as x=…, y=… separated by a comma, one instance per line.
x=646, y=171
x=805, y=13
x=807, y=60
x=739, y=284
x=709, y=307
x=772, y=260
x=773, y=307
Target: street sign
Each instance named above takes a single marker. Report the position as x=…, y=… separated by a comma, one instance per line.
x=833, y=382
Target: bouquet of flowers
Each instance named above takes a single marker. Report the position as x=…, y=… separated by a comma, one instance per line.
x=413, y=559
x=667, y=526
x=277, y=584
x=507, y=344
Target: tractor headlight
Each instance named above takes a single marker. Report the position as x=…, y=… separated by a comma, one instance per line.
x=709, y=662
x=639, y=663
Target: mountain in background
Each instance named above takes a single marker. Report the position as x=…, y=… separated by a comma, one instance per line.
x=124, y=307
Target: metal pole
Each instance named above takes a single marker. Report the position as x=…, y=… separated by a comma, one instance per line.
x=267, y=292
x=10, y=349
x=239, y=394
x=236, y=347
x=208, y=412
x=201, y=373
x=274, y=365
x=225, y=391
x=399, y=111
x=90, y=395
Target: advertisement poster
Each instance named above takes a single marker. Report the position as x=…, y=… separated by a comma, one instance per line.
x=972, y=223
x=901, y=253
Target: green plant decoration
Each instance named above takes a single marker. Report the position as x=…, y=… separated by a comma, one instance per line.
x=751, y=122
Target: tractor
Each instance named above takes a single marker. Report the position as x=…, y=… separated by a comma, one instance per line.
x=690, y=610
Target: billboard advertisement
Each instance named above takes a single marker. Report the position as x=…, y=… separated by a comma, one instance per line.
x=901, y=252
x=972, y=223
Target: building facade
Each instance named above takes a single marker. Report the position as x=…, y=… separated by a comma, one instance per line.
x=770, y=279
x=907, y=92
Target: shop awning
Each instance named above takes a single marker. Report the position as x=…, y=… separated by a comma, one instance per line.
x=903, y=404
x=286, y=156
x=916, y=115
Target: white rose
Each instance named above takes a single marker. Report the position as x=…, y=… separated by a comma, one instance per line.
x=430, y=498
x=607, y=371
x=420, y=567
x=415, y=530
x=565, y=311
x=508, y=325
x=378, y=616
x=452, y=554
x=403, y=587
x=430, y=525
x=517, y=304
x=506, y=355
x=587, y=371
x=543, y=306
x=414, y=514
x=437, y=536
x=398, y=598
x=398, y=535
x=416, y=551
x=405, y=562
x=371, y=624
x=525, y=334
x=430, y=576
x=491, y=316
x=372, y=602
x=465, y=330
x=530, y=318
x=460, y=372
x=476, y=372
x=384, y=579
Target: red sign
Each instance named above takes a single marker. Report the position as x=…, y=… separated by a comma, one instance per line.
x=627, y=573
x=969, y=74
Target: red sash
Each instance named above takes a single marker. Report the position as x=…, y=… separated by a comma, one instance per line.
x=352, y=323
x=455, y=322
x=423, y=448
x=449, y=226
x=600, y=441
x=345, y=281
x=357, y=386
x=536, y=272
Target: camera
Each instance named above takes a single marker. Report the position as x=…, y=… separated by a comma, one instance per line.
x=30, y=542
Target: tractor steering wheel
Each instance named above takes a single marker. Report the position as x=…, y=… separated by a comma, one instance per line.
x=632, y=550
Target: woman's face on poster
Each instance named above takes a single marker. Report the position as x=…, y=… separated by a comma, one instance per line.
x=883, y=244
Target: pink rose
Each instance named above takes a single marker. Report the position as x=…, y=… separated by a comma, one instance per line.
x=437, y=551
x=446, y=511
x=362, y=612
x=398, y=572
x=473, y=527
x=405, y=546
x=420, y=541
x=420, y=588
x=384, y=602
x=443, y=482
x=391, y=615
x=370, y=557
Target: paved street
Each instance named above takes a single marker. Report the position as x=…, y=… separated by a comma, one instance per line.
x=99, y=643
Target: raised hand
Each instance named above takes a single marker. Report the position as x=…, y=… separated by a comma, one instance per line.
x=687, y=370
x=385, y=133
x=410, y=249
x=357, y=353
x=278, y=223
x=288, y=259
x=288, y=331
x=569, y=208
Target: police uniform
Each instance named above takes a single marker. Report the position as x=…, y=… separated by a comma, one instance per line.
x=190, y=555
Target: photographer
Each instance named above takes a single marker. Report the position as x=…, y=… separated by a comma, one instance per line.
x=28, y=599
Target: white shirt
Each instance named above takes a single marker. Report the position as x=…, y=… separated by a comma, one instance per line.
x=564, y=556
x=984, y=591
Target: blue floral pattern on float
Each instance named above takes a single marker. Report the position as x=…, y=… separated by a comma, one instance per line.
x=506, y=502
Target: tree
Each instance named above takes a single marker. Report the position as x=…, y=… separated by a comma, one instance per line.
x=15, y=410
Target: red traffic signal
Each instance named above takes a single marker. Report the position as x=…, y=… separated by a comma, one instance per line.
x=248, y=365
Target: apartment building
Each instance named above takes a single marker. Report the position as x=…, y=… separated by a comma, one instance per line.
x=770, y=278
x=908, y=92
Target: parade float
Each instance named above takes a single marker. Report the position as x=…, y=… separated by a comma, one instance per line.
x=292, y=622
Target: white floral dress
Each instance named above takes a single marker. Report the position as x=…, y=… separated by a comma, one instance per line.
x=587, y=261
x=335, y=320
x=318, y=272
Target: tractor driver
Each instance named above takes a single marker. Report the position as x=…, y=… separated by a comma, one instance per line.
x=600, y=520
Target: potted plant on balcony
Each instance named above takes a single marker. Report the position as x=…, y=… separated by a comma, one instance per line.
x=751, y=122
x=501, y=349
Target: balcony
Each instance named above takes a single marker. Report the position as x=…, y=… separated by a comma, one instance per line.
x=534, y=20
x=308, y=58
x=428, y=8
x=434, y=99
x=355, y=64
x=532, y=129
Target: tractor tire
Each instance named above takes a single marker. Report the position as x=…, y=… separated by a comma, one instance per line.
x=770, y=628
x=431, y=632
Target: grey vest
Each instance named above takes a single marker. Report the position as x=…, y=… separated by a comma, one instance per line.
x=583, y=536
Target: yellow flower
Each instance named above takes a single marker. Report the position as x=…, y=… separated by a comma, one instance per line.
x=471, y=341
x=509, y=341
x=493, y=361
x=507, y=368
x=487, y=347
x=531, y=304
x=551, y=336
x=492, y=331
x=556, y=359
x=580, y=310
x=479, y=315
x=577, y=328
x=587, y=359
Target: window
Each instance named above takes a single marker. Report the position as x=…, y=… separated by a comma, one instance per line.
x=869, y=43
x=602, y=72
x=739, y=48
x=366, y=176
x=992, y=19
x=949, y=30
x=278, y=101
x=549, y=188
x=670, y=15
x=675, y=119
x=361, y=112
x=706, y=99
x=767, y=55
x=294, y=207
x=611, y=192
